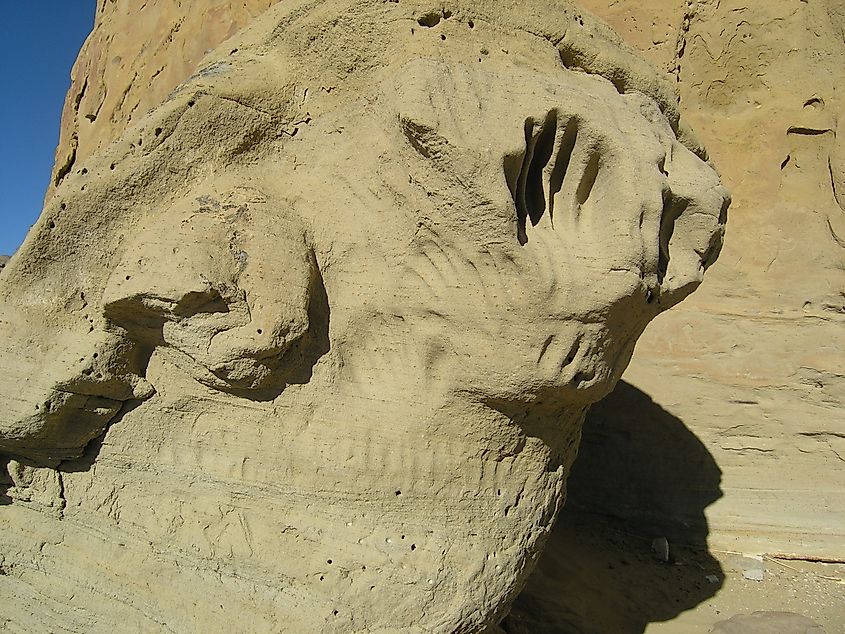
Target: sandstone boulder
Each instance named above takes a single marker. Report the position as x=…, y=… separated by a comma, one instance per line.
x=311, y=342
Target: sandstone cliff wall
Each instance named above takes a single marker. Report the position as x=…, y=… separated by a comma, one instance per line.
x=753, y=363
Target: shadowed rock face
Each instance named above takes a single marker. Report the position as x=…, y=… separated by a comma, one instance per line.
x=341, y=303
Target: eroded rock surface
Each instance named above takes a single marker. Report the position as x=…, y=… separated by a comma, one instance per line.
x=134, y=58
x=313, y=340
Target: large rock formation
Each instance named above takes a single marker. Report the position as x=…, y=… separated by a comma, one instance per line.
x=311, y=342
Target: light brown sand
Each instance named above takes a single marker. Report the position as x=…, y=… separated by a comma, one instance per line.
x=597, y=576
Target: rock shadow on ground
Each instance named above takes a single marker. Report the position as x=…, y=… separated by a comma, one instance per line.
x=641, y=475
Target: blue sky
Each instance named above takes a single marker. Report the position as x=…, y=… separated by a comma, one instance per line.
x=39, y=41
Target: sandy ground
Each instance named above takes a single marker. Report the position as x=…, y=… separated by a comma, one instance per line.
x=642, y=474
x=597, y=576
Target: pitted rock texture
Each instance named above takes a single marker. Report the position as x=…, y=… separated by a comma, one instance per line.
x=134, y=58
x=316, y=336
x=137, y=55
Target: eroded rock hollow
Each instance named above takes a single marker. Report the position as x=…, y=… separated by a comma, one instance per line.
x=308, y=345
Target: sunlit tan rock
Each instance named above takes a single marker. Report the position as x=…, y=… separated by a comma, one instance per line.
x=311, y=343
